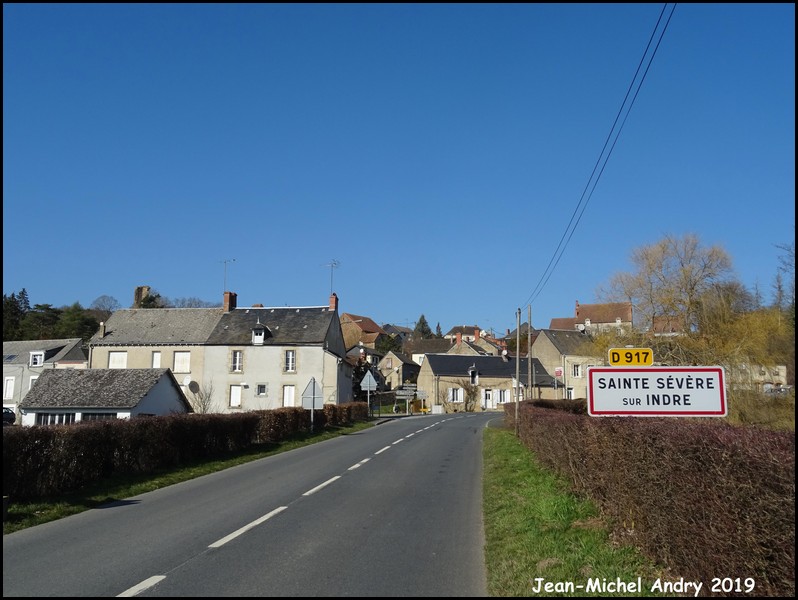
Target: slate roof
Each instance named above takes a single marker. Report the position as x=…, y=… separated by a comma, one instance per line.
x=457, y=365
x=95, y=388
x=569, y=342
x=284, y=325
x=463, y=329
x=68, y=349
x=142, y=326
x=214, y=326
x=433, y=345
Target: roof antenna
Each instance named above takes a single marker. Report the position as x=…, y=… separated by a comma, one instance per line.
x=225, y=272
x=333, y=265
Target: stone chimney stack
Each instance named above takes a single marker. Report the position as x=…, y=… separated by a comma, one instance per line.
x=139, y=294
x=459, y=338
x=102, y=329
x=334, y=302
x=476, y=334
x=229, y=301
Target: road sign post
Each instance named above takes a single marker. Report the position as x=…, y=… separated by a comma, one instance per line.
x=656, y=391
x=369, y=384
x=309, y=397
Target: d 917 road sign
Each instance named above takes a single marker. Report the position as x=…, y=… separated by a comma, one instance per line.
x=631, y=357
x=656, y=392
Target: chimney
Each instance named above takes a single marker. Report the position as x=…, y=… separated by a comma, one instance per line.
x=576, y=312
x=102, y=329
x=230, y=301
x=476, y=334
x=334, y=302
x=139, y=294
x=459, y=338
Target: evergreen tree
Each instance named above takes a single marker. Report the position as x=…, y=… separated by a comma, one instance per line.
x=12, y=317
x=422, y=330
x=438, y=332
x=75, y=321
x=40, y=323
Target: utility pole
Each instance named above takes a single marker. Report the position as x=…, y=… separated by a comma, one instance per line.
x=517, y=368
x=529, y=350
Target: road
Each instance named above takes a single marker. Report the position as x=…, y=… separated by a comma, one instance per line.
x=394, y=510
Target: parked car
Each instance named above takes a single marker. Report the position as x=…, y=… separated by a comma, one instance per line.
x=9, y=416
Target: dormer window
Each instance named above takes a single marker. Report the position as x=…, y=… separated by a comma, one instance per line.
x=258, y=334
x=36, y=359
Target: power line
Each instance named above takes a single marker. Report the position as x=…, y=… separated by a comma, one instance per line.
x=584, y=199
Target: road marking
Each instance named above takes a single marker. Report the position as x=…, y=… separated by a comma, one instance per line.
x=318, y=487
x=381, y=451
x=246, y=528
x=396, y=442
x=137, y=589
x=362, y=462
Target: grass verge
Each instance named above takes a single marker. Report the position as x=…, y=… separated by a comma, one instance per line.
x=537, y=533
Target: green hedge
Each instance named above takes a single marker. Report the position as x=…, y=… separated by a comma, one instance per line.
x=699, y=496
x=48, y=460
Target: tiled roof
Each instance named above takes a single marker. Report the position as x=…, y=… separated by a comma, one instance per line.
x=95, y=388
x=563, y=323
x=604, y=313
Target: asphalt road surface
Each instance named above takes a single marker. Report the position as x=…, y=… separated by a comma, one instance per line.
x=395, y=510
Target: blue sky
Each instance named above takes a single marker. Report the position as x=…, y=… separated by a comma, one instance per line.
x=437, y=152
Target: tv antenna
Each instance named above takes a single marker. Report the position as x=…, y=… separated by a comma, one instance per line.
x=225, y=261
x=333, y=264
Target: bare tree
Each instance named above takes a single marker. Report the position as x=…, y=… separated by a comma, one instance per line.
x=201, y=397
x=670, y=279
x=470, y=395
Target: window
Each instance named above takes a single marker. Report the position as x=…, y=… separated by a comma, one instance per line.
x=576, y=370
x=36, y=359
x=289, y=395
x=32, y=379
x=156, y=360
x=117, y=360
x=182, y=362
x=455, y=394
x=290, y=362
x=569, y=393
x=261, y=389
x=237, y=361
x=235, y=396
x=258, y=336
x=55, y=418
x=97, y=416
x=389, y=363
x=8, y=388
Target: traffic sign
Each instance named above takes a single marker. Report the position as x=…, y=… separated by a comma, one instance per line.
x=631, y=357
x=312, y=397
x=405, y=393
x=656, y=392
x=368, y=383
